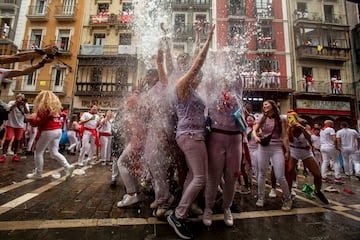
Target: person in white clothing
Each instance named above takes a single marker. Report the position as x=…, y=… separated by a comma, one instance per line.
x=349, y=141
x=105, y=137
x=315, y=139
x=73, y=135
x=330, y=152
x=90, y=139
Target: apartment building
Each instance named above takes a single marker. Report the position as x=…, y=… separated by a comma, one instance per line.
x=321, y=60
x=57, y=23
x=107, y=60
x=257, y=32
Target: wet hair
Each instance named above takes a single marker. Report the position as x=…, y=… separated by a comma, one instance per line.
x=153, y=72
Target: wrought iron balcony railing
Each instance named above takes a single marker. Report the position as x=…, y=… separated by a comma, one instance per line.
x=38, y=13
x=325, y=87
x=65, y=13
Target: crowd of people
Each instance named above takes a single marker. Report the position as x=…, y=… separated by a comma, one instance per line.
x=168, y=133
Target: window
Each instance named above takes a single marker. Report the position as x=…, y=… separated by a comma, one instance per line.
x=35, y=39
x=265, y=37
x=103, y=8
x=69, y=6
x=235, y=36
x=58, y=78
x=335, y=81
x=179, y=23
x=125, y=39
x=307, y=80
x=122, y=78
x=329, y=13
x=265, y=65
x=96, y=77
x=40, y=7
x=301, y=7
x=30, y=79
x=99, y=39
x=63, y=42
x=236, y=7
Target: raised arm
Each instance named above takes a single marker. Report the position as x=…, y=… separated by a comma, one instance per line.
x=160, y=62
x=29, y=70
x=199, y=26
x=184, y=84
x=28, y=55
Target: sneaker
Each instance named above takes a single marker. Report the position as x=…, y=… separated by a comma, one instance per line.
x=196, y=209
x=260, y=202
x=206, y=218
x=228, y=218
x=339, y=181
x=128, y=200
x=103, y=163
x=33, y=175
x=272, y=193
x=69, y=172
x=321, y=196
x=327, y=180
x=15, y=159
x=10, y=152
x=179, y=226
x=160, y=212
x=2, y=158
x=294, y=184
x=80, y=164
x=287, y=204
x=293, y=193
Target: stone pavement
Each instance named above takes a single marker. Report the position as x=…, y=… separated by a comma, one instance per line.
x=85, y=208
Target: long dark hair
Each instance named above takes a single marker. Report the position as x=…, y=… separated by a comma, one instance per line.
x=276, y=115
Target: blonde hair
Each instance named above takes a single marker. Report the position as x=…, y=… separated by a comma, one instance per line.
x=47, y=101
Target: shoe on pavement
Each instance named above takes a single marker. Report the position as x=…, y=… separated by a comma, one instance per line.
x=260, y=202
x=15, y=159
x=321, y=196
x=272, y=193
x=9, y=152
x=179, y=226
x=153, y=205
x=128, y=200
x=81, y=164
x=2, y=158
x=287, y=205
x=33, y=175
x=69, y=172
x=228, y=218
x=206, y=218
x=339, y=181
x=327, y=180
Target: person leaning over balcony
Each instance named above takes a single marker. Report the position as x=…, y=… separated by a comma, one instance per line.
x=90, y=139
x=47, y=116
x=15, y=125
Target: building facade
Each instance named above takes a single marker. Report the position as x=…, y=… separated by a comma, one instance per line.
x=321, y=60
x=57, y=23
x=257, y=32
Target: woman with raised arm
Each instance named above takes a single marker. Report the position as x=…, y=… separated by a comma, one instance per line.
x=190, y=137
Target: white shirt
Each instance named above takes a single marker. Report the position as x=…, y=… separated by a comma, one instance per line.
x=326, y=139
x=16, y=117
x=348, y=138
x=92, y=123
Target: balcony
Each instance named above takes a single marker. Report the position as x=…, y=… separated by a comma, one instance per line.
x=38, y=13
x=237, y=13
x=315, y=17
x=10, y=4
x=325, y=87
x=64, y=47
x=323, y=53
x=32, y=44
x=6, y=35
x=107, y=50
x=190, y=4
x=267, y=83
x=266, y=45
x=101, y=89
x=65, y=13
x=264, y=13
x=183, y=32
x=120, y=22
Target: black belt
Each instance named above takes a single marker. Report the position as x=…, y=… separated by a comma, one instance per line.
x=306, y=148
x=225, y=132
